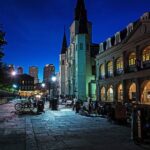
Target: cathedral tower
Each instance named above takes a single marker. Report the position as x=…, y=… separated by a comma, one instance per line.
x=62, y=65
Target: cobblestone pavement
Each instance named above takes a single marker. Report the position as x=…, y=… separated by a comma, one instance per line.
x=60, y=130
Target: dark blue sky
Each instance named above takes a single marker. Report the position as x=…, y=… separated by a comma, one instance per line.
x=34, y=28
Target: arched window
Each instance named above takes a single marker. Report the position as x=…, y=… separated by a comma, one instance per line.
x=132, y=59
x=145, y=96
x=132, y=91
x=120, y=93
x=110, y=94
x=110, y=68
x=103, y=98
x=119, y=65
x=146, y=54
x=102, y=71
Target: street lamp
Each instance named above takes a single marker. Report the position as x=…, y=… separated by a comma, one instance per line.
x=51, y=84
x=13, y=73
x=54, y=78
x=43, y=85
x=14, y=86
x=53, y=102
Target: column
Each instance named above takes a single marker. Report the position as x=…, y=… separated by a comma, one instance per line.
x=98, y=91
x=114, y=66
x=138, y=91
x=115, y=93
x=105, y=66
x=125, y=62
x=138, y=58
x=125, y=92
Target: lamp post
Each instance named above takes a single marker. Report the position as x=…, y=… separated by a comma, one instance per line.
x=13, y=73
x=43, y=85
x=13, y=81
x=14, y=86
x=52, y=85
x=53, y=79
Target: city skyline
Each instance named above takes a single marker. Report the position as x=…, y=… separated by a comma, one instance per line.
x=46, y=36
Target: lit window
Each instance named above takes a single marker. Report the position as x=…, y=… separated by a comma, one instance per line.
x=119, y=65
x=103, y=98
x=110, y=68
x=110, y=94
x=146, y=54
x=132, y=91
x=120, y=93
x=145, y=95
x=102, y=71
x=132, y=59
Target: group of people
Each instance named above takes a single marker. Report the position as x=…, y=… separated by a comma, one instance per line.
x=87, y=107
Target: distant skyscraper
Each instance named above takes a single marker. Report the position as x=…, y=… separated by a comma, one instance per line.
x=49, y=70
x=19, y=70
x=33, y=71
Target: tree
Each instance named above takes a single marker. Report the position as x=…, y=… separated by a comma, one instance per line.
x=4, y=78
x=2, y=42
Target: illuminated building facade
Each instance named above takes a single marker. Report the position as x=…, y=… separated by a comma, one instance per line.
x=25, y=84
x=77, y=64
x=123, y=64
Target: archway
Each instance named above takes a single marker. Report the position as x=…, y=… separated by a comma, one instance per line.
x=145, y=95
x=110, y=68
x=110, y=94
x=120, y=93
x=119, y=65
x=146, y=54
x=103, y=98
x=132, y=91
x=132, y=59
x=102, y=71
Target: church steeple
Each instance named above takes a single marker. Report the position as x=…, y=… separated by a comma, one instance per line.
x=81, y=16
x=64, y=44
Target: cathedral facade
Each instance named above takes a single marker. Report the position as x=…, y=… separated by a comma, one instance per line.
x=77, y=61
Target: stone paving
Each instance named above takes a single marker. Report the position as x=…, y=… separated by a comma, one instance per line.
x=60, y=130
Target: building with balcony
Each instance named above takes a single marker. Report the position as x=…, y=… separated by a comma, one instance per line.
x=123, y=64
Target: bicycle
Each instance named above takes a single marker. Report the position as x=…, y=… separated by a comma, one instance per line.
x=21, y=106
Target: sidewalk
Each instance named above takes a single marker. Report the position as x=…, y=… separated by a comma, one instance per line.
x=60, y=130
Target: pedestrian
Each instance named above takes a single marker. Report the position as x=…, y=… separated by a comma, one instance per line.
x=90, y=105
x=74, y=102
x=77, y=106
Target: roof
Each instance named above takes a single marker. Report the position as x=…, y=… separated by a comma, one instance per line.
x=64, y=45
x=94, y=48
x=81, y=16
x=124, y=33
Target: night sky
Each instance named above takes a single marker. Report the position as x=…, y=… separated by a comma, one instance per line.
x=34, y=28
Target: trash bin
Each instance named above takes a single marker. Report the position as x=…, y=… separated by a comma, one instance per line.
x=140, y=124
x=40, y=106
x=54, y=104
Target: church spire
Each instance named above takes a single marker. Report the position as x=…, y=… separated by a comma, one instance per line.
x=80, y=8
x=64, y=44
x=81, y=16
